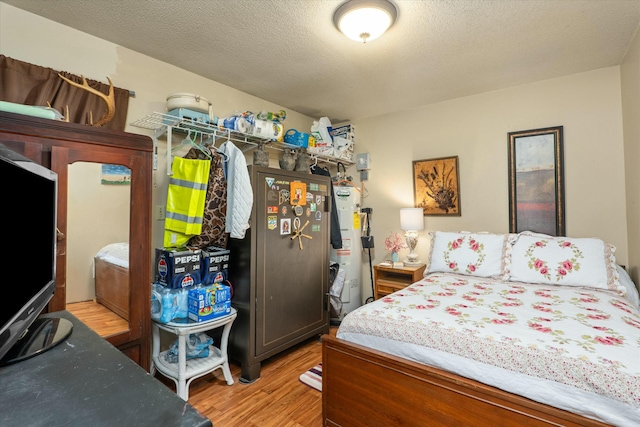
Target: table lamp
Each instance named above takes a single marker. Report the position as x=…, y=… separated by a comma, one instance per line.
x=411, y=221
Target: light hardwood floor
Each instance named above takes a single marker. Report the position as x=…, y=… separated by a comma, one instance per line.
x=277, y=398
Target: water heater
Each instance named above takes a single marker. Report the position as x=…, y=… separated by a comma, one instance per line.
x=350, y=256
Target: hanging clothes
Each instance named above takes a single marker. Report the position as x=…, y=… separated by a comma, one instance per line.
x=239, y=191
x=185, y=200
x=215, y=206
x=336, y=284
x=335, y=234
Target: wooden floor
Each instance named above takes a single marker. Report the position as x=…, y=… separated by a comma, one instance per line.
x=277, y=398
x=99, y=318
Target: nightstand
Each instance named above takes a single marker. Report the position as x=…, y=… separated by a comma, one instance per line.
x=388, y=279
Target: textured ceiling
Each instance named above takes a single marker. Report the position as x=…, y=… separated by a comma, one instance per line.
x=288, y=51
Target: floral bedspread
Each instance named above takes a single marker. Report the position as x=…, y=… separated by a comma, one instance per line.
x=585, y=338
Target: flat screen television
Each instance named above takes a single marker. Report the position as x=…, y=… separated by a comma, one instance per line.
x=28, y=275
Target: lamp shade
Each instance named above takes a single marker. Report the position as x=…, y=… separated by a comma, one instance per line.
x=365, y=20
x=411, y=219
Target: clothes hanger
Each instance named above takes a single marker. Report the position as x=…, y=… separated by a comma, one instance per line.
x=226, y=157
x=188, y=140
x=203, y=148
x=211, y=143
x=185, y=141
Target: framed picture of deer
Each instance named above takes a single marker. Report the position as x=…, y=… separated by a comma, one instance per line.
x=536, y=181
x=436, y=186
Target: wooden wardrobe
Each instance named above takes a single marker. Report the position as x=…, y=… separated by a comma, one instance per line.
x=56, y=145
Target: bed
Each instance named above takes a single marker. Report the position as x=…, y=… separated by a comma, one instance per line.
x=503, y=330
x=112, y=278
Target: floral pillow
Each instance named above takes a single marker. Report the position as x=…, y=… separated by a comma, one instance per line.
x=564, y=261
x=473, y=254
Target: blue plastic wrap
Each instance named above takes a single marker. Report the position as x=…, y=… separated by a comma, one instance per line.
x=169, y=305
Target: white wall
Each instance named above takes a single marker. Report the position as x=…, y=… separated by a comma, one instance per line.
x=630, y=76
x=96, y=215
x=587, y=105
x=30, y=38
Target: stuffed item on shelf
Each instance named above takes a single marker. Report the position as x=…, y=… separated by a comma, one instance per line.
x=287, y=161
x=260, y=156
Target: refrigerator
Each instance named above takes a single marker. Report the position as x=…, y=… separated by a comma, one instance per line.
x=280, y=270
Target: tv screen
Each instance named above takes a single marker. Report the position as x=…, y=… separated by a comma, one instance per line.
x=28, y=276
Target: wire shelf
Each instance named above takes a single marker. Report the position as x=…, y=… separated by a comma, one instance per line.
x=164, y=124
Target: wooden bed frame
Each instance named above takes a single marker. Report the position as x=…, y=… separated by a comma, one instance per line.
x=112, y=287
x=365, y=387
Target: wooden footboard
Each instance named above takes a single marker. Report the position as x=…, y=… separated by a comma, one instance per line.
x=364, y=387
x=112, y=287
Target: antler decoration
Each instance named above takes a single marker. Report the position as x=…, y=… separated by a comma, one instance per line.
x=108, y=99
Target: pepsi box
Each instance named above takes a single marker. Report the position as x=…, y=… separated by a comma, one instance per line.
x=215, y=265
x=209, y=302
x=178, y=268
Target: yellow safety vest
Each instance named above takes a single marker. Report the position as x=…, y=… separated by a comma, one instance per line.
x=186, y=197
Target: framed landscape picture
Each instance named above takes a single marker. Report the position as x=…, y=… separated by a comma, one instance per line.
x=536, y=181
x=436, y=186
x=115, y=175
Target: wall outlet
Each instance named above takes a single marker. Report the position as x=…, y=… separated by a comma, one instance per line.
x=159, y=213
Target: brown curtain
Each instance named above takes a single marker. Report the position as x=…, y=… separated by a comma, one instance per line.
x=24, y=83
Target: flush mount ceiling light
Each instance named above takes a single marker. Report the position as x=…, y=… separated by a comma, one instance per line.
x=365, y=20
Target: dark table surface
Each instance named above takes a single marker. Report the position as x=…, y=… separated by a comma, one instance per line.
x=85, y=381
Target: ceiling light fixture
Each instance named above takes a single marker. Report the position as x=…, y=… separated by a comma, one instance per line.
x=365, y=20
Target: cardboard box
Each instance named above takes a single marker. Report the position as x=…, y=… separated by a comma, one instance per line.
x=209, y=302
x=177, y=269
x=215, y=265
x=346, y=131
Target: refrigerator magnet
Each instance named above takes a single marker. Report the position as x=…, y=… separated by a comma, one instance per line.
x=298, y=192
x=285, y=226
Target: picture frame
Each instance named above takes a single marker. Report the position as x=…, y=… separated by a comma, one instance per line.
x=285, y=226
x=115, y=175
x=536, y=181
x=436, y=186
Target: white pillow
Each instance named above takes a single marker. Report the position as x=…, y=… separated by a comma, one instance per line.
x=473, y=254
x=565, y=261
x=630, y=287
